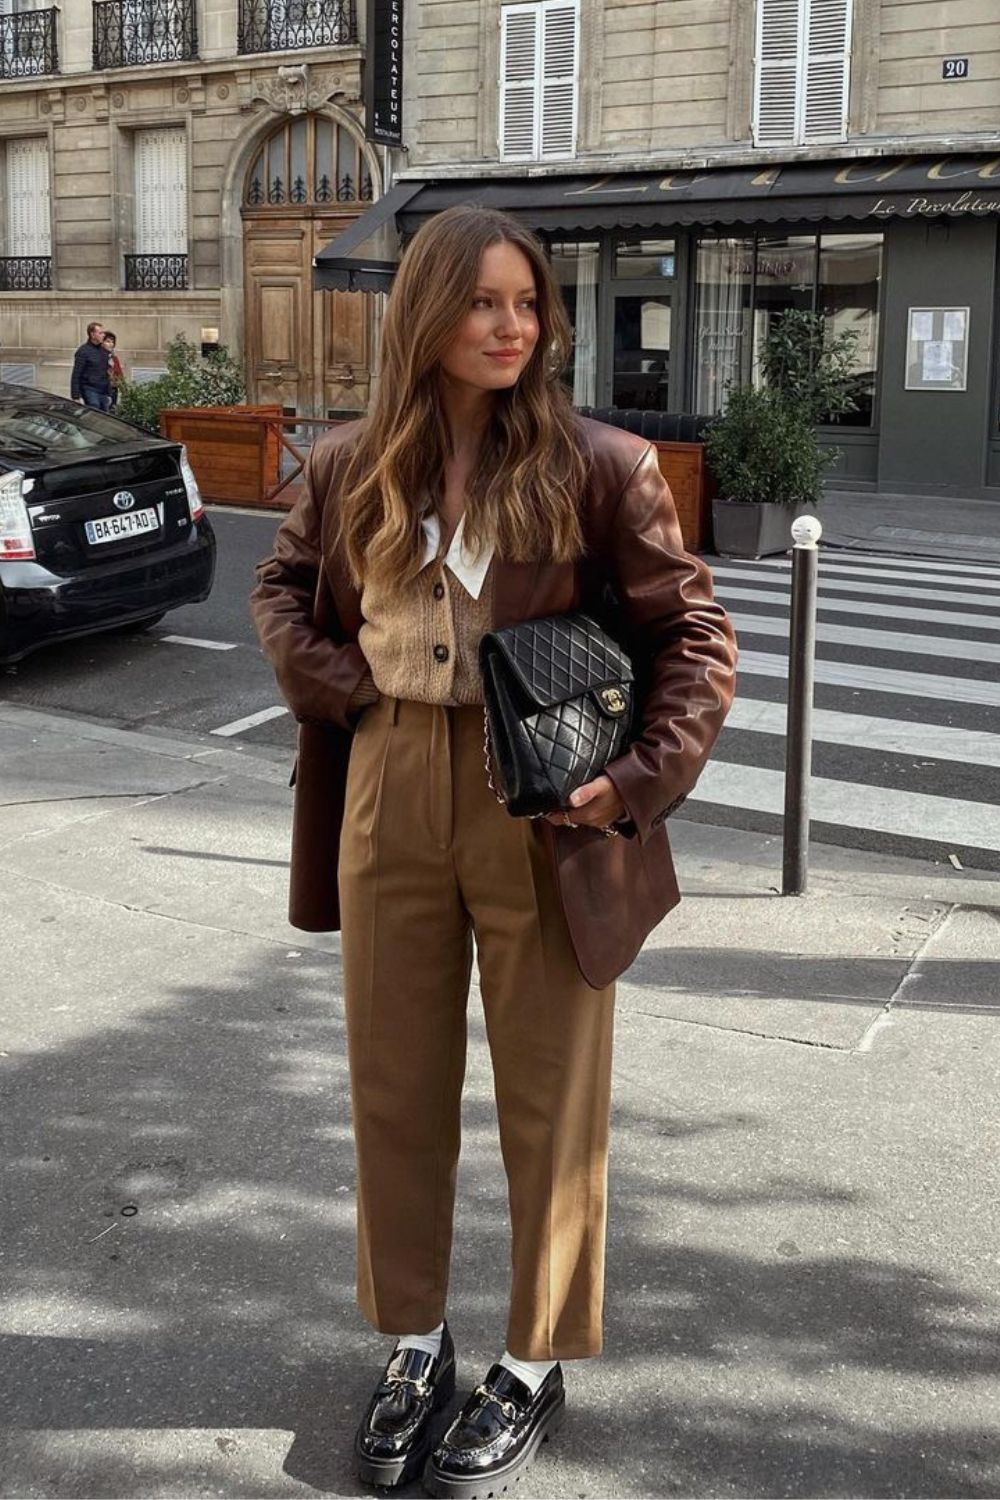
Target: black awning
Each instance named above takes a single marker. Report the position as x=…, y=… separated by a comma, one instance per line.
x=875, y=189
x=866, y=189
x=364, y=258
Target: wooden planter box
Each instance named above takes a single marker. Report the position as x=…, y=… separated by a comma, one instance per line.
x=683, y=467
x=235, y=458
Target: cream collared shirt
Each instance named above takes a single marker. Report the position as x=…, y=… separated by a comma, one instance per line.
x=470, y=568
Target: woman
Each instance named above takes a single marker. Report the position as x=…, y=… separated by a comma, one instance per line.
x=472, y=496
x=116, y=370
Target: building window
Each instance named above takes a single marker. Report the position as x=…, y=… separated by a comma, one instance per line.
x=744, y=284
x=802, y=71
x=306, y=161
x=159, y=261
x=127, y=32
x=27, y=40
x=26, y=262
x=289, y=25
x=539, y=44
x=577, y=267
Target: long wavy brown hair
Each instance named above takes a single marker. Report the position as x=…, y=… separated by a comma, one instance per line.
x=525, y=489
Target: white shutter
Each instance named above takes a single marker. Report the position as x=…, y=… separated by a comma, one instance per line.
x=160, y=192
x=802, y=71
x=776, y=83
x=827, y=68
x=28, y=230
x=559, y=68
x=519, y=28
x=538, y=80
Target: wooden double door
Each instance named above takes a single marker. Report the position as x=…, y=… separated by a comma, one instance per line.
x=308, y=351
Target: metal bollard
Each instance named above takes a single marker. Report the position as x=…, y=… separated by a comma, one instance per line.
x=806, y=532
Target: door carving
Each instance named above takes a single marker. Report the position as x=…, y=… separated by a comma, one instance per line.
x=308, y=351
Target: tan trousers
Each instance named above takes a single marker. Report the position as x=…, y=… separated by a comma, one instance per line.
x=429, y=859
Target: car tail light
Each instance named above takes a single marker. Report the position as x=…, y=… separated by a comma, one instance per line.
x=16, y=541
x=195, y=503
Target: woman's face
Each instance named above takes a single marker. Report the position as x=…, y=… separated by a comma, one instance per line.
x=496, y=340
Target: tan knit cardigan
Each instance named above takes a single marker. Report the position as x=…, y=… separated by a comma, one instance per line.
x=422, y=642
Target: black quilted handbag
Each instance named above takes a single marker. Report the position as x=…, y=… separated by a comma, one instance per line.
x=559, y=697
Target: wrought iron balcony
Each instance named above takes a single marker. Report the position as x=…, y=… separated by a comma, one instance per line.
x=289, y=25
x=127, y=32
x=28, y=44
x=156, y=273
x=25, y=273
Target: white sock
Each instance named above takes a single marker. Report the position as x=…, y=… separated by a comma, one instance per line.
x=531, y=1371
x=430, y=1343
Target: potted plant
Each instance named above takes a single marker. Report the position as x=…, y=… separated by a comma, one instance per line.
x=763, y=449
x=199, y=402
x=190, y=379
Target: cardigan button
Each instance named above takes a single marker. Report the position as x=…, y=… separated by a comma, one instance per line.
x=439, y=591
x=441, y=653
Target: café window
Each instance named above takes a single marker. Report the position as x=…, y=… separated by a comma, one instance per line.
x=744, y=284
x=576, y=265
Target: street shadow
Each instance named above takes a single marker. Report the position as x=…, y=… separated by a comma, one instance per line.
x=208, y=1342
x=722, y=973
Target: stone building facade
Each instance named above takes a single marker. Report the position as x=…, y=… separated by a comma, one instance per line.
x=697, y=167
x=170, y=166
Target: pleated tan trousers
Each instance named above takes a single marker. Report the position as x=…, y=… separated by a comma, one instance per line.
x=428, y=860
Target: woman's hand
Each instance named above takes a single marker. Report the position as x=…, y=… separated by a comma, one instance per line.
x=595, y=805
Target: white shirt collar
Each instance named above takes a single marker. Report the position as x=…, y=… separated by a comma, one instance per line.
x=470, y=568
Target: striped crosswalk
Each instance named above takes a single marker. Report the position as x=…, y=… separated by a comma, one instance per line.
x=906, y=731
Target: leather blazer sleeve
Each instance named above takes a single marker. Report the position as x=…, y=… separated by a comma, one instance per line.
x=316, y=674
x=668, y=607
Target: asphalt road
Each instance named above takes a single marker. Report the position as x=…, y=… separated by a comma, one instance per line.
x=882, y=781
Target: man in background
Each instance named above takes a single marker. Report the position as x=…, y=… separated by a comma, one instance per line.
x=90, y=381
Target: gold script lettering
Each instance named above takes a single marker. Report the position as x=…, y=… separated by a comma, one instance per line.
x=846, y=174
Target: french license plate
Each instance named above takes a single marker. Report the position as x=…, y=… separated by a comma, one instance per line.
x=117, y=528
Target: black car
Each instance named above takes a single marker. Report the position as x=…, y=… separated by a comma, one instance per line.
x=101, y=525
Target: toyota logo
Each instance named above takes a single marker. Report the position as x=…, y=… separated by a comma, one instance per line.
x=124, y=500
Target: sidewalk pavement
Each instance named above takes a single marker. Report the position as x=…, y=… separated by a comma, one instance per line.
x=912, y=525
x=805, y=1225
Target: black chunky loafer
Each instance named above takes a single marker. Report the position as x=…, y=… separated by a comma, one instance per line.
x=496, y=1436
x=395, y=1435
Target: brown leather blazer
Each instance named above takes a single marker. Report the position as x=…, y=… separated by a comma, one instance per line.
x=308, y=614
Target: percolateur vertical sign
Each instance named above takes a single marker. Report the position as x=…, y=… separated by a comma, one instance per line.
x=384, y=73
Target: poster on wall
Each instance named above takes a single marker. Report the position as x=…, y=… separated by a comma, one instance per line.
x=937, y=349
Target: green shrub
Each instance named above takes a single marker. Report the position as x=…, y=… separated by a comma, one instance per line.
x=191, y=380
x=763, y=447
x=811, y=366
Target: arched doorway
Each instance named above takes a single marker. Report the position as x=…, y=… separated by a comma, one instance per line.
x=309, y=351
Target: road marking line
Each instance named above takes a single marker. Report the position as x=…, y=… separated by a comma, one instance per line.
x=980, y=621
x=879, y=679
x=251, y=721
x=923, y=572
x=847, y=586
x=192, y=640
x=867, y=562
x=879, y=809
x=953, y=647
x=868, y=732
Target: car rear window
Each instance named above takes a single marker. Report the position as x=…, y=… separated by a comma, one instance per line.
x=33, y=429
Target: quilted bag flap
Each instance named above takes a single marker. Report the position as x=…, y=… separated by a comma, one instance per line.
x=559, y=657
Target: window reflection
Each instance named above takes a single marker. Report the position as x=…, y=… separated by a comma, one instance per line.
x=576, y=265
x=850, y=271
x=744, y=284
x=645, y=258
